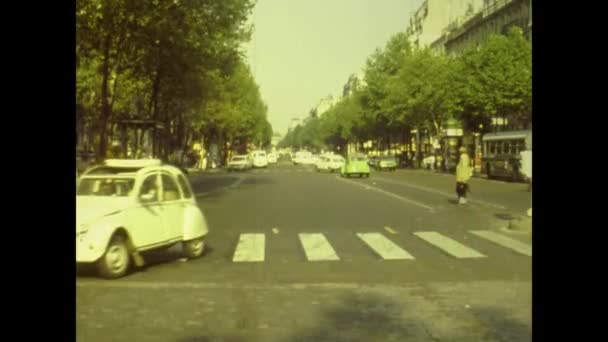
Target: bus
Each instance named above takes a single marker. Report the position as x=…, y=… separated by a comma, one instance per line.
x=502, y=154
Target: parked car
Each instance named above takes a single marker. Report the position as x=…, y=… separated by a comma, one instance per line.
x=128, y=207
x=355, y=165
x=259, y=159
x=239, y=162
x=272, y=158
x=372, y=161
x=386, y=163
x=303, y=158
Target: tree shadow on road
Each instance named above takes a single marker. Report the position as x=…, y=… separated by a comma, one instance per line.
x=500, y=326
x=211, y=184
x=363, y=318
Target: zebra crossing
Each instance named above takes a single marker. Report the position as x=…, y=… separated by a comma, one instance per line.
x=251, y=247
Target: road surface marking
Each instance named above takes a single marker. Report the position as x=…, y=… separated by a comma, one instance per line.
x=317, y=247
x=390, y=194
x=237, y=183
x=390, y=230
x=504, y=241
x=250, y=248
x=423, y=188
x=275, y=230
x=384, y=247
x=448, y=245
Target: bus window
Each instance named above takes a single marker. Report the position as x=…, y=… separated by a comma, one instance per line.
x=521, y=146
x=507, y=145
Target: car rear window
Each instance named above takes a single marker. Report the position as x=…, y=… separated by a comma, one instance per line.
x=183, y=183
x=108, y=170
x=107, y=187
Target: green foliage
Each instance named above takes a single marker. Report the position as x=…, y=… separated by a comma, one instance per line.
x=409, y=88
x=175, y=61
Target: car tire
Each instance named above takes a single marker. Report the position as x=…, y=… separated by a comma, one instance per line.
x=115, y=262
x=367, y=175
x=193, y=248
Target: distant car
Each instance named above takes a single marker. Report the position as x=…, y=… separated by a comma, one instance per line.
x=272, y=158
x=330, y=163
x=127, y=207
x=259, y=159
x=372, y=161
x=355, y=165
x=239, y=162
x=303, y=158
x=386, y=163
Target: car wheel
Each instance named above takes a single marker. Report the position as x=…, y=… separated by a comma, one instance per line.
x=367, y=175
x=193, y=248
x=115, y=261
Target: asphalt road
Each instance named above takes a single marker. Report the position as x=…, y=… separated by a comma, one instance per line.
x=296, y=255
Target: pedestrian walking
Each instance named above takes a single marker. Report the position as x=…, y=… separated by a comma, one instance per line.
x=464, y=172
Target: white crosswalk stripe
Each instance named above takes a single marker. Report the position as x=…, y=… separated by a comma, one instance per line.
x=317, y=248
x=448, y=245
x=504, y=241
x=251, y=247
x=386, y=248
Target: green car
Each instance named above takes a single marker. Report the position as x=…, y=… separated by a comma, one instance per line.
x=355, y=165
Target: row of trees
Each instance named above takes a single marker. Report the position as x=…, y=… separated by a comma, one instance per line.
x=409, y=89
x=177, y=62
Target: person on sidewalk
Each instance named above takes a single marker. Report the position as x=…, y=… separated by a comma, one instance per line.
x=464, y=172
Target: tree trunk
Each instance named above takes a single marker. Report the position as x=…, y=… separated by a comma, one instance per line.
x=154, y=108
x=105, y=105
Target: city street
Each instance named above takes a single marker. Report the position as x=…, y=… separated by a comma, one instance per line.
x=297, y=255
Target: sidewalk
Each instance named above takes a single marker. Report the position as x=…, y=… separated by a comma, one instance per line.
x=448, y=173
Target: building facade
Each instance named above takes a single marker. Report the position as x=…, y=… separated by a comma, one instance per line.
x=428, y=22
x=496, y=17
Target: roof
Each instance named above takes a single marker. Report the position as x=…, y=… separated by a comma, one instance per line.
x=525, y=134
x=129, y=167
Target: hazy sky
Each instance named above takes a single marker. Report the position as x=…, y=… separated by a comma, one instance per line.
x=303, y=50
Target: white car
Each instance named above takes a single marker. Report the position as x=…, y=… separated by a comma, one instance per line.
x=303, y=157
x=240, y=162
x=127, y=207
x=259, y=159
x=272, y=158
x=330, y=163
